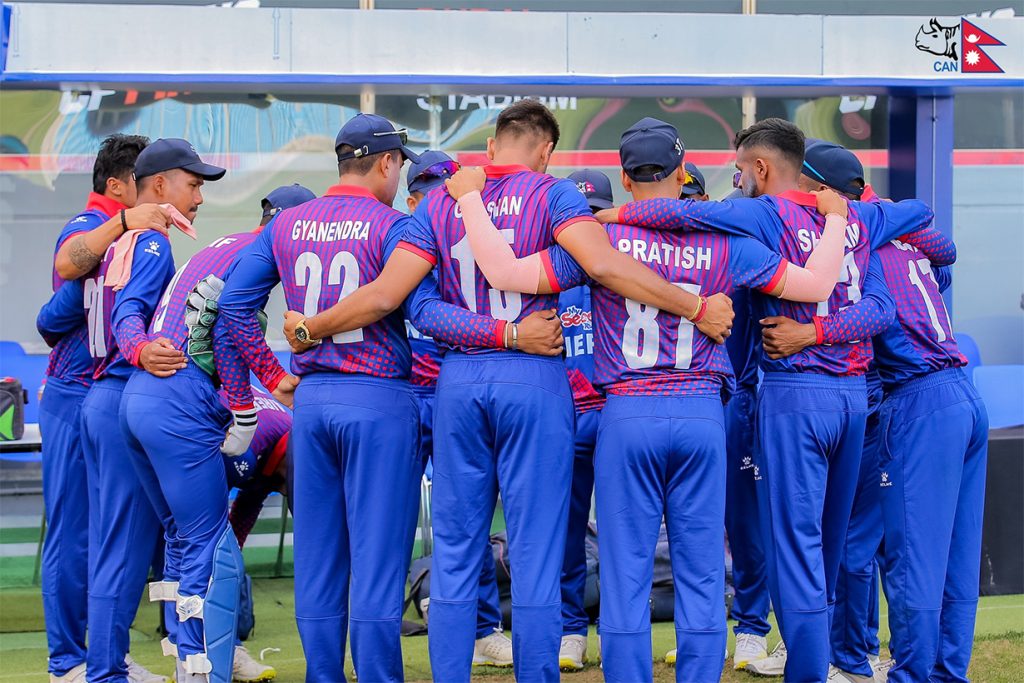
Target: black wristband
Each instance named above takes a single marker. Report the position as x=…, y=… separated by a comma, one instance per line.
x=124, y=223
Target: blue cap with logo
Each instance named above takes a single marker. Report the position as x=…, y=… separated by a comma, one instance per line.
x=650, y=142
x=166, y=154
x=371, y=134
x=695, y=184
x=285, y=197
x=595, y=186
x=833, y=165
x=430, y=171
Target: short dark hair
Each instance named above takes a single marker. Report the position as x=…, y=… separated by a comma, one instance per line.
x=527, y=117
x=116, y=159
x=359, y=165
x=778, y=134
x=648, y=170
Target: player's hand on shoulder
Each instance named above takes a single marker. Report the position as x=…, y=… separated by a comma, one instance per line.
x=605, y=216
x=717, y=321
x=783, y=337
x=147, y=217
x=540, y=333
x=467, y=179
x=830, y=201
x=160, y=358
x=284, y=392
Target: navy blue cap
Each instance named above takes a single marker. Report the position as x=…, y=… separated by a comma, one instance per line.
x=372, y=134
x=833, y=165
x=285, y=197
x=650, y=142
x=595, y=186
x=439, y=165
x=170, y=153
x=696, y=184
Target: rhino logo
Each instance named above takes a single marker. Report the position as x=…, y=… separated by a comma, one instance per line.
x=937, y=39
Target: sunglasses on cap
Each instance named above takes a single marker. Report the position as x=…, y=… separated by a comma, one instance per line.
x=402, y=133
x=442, y=169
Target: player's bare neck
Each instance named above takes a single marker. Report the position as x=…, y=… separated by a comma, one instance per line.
x=364, y=181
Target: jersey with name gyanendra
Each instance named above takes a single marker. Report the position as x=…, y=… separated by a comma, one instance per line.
x=790, y=224
x=921, y=340
x=528, y=208
x=321, y=252
x=118, y=320
x=643, y=351
x=576, y=315
x=69, y=359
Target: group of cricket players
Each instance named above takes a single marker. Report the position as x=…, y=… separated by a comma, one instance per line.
x=778, y=368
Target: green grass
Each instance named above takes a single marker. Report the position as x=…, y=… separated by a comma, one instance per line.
x=999, y=642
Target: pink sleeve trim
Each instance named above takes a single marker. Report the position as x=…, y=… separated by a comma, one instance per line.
x=578, y=219
x=779, y=272
x=549, y=271
x=425, y=255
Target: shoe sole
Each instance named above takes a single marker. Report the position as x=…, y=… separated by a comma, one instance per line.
x=742, y=665
x=488, y=662
x=264, y=678
x=570, y=665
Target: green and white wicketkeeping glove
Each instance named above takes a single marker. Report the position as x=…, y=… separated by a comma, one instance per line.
x=200, y=315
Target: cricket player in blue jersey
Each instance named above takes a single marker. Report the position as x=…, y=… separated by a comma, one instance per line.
x=80, y=247
x=356, y=425
x=814, y=402
x=182, y=455
x=575, y=315
x=492, y=647
x=524, y=401
x=916, y=356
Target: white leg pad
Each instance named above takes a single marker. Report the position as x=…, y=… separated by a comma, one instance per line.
x=169, y=649
x=190, y=607
x=163, y=591
x=198, y=664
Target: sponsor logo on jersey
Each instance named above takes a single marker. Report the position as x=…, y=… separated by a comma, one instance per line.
x=153, y=248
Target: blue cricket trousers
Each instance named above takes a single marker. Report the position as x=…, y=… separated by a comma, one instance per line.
x=574, y=567
x=65, y=572
x=357, y=473
x=182, y=469
x=933, y=460
x=810, y=434
x=661, y=456
x=123, y=530
x=488, y=608
x=855, y=616
x=502, y=420
x=751, y=604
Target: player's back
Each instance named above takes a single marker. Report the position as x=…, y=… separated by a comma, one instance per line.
x=218, y=259
x=528, y=208
x=921, y=339
x=100, y=300
x=641, y=350
x=327, y=248
x=798, y=231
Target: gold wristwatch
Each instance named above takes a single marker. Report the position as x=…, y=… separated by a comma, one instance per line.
x=302, y=334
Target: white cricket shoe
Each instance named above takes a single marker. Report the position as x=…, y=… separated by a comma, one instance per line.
x=837, y=675
x=772, y=665
x=75, y=675
x=750, y=647
x=140, y=674
x=248, y=670
x=881, y=668
x=493, y=650
x=572, y=654
x=670, y=656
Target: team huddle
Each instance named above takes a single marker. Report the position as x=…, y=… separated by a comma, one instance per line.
x=779, y=364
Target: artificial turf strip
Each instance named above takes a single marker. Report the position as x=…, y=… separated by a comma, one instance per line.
x=999, y=643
